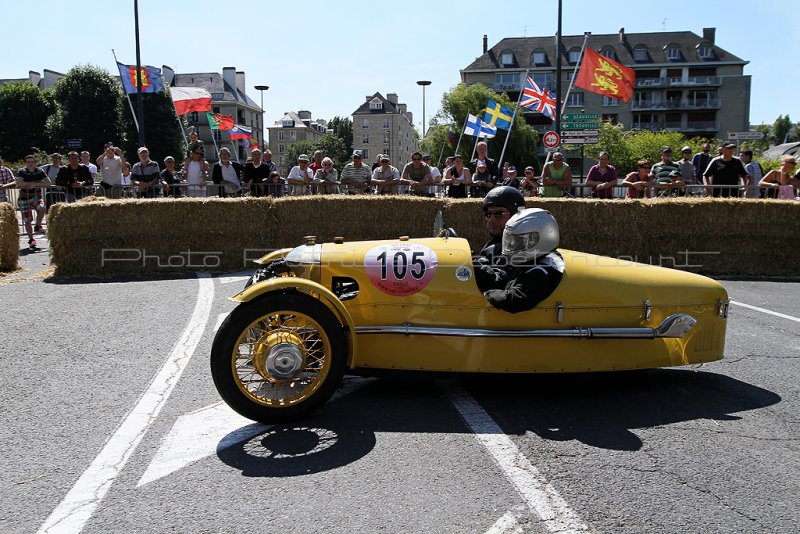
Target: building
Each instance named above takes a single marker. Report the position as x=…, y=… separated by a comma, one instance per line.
x=684, y=81
x=383, y=126
x=45, y=81
x=290, y=129
x=228, y=97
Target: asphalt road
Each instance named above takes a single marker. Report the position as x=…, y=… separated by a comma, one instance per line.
x=99, y=434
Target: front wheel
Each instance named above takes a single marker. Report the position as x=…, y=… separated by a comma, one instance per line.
x=278, y=357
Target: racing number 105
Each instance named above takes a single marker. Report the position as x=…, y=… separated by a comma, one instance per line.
x=400, y=265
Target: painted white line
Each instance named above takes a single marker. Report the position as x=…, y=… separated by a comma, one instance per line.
x=72, y=514
x=507, y=523
x=762, y=310
x=221, y=317
x=541, y=497
x=236, y=277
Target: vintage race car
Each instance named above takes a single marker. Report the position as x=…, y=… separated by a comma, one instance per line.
x=317, y=311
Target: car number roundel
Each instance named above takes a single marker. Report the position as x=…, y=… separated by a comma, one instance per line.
x=400, y=269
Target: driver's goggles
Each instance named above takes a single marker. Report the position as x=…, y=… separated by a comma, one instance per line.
x=496, y=214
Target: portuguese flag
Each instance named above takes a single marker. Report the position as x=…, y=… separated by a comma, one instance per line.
x=219, y=122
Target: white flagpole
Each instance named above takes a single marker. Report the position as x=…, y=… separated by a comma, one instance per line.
x=513, y=116
x=133, y=113
x=462, y=133
x=575, y=70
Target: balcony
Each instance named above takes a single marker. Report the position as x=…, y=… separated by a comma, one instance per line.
x=702, y=126
x=677, y=81
x=506, y=87
x=676, y=104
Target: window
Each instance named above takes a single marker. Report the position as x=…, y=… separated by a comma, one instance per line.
x=385, y=137
x=575, y=100
x=215, y=109
x=386, y=123
x=539, y=57
x=365, y=123
x=608, y=101
x=193, y=116
x=293, y=136
x=376, y=104
x=240, y=117
x=217, y=135
x=574, y=55
x=705, y=51
x=640, y=53
x=366, y=154
x=507, y=58
x=506, y=82
x=217, y=96
x=544, y=79
x=608, y=52
x=672, y=52
x=280, y=136
x=386, y=150
x=288, y=123
x=365, y=139
x=281, y=149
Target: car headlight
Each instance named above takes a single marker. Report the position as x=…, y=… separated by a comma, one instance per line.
x=304, y=255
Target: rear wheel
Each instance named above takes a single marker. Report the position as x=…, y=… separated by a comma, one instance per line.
x=278, y=357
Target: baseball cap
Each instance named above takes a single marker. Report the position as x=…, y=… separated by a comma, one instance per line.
x=358, y=154
x=666, y=149
x=511, y=168
x=686, y=149
x=302, y=157
x=729, y=145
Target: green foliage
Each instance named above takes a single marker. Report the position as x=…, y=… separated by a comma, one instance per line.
x=471, y=99
x=780, y=130
x=90, y=102
x=162, y=133
x=24, y=110
x=333, y=147
x=342, y=128
x=293, y=151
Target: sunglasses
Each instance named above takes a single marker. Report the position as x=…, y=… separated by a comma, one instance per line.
x=416, y=159
x=496, y=214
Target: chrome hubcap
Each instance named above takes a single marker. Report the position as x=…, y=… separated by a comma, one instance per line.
x=284, y=360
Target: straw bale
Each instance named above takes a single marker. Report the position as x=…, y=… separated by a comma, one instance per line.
x=9, y=238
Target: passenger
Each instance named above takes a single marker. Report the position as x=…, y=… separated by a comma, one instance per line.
x=499, y=204
x=534, y=268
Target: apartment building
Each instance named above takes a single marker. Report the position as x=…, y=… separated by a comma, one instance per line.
x=384, y=126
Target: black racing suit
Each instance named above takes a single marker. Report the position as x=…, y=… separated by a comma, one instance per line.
x=516, y=288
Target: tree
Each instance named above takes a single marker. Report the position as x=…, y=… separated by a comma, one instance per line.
x=780, y=130
x=472, y=99
x=24, y=110
x=162, y=133
x=333, y=147
x=90, y=107
x=292, y=153
x=342, y=128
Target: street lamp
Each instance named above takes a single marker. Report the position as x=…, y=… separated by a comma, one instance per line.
x=261, y=89
x=423, y=83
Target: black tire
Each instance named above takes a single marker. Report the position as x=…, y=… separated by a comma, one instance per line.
x=254, y=358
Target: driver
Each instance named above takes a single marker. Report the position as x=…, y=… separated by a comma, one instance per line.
x=533, y=269
x=499, y=204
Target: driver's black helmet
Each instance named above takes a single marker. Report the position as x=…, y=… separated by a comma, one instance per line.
x=506, y=196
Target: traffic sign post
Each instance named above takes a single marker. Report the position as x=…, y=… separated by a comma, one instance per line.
x=743, y=136
x=581, y=140
x=551, y=139
x=580, y=126
x=594, y=117
x=580, y=133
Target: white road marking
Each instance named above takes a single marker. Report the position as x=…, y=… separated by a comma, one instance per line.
x=507, y=523
x=541, y=497
x=762, y=310
x=221, y=317
x=72, y=514
x=236, y=277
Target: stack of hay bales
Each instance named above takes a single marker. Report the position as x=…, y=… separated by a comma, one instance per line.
x=9, y=238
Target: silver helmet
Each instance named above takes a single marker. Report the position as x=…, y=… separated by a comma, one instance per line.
x=529, y=235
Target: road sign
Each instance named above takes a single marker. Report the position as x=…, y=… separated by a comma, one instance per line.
x=580, y=133
x=745, y=135
x=74, y=143
x=580, y=125
x=581, y=140
x=580, y=117
x=551, y=139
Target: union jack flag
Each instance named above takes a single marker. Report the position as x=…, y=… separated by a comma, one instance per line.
x=537, y=99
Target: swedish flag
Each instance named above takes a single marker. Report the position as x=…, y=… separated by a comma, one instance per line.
x=497, y=115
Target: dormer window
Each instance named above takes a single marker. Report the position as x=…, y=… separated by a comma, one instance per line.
x=705, y=51
x=507, y=58
x=640, y=53
x=672, y=52
x=608, y=52
x=288, y=123
x=539, y=57
x=376, y=104
x=574, y=55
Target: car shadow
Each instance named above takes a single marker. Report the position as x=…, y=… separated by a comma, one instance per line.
x=600, y=410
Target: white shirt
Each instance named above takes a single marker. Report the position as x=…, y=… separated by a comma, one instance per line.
x=297, y=174
x=436, y=175
x=194, y=173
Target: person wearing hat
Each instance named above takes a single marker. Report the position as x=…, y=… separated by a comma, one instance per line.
x=511, y=179
x=300, y=176
x=675, y=187
x=662, y=169
x=386, y=177
x=482, y=180
x=686, y=167
x=726, y=170
x=482, y=156
x=355, y=175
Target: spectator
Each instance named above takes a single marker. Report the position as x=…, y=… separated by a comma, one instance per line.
x=701, y=160
x=317, y=163
x=676, y=185
x=377, y=162
x=30, y=181
x=482, y=154
x=436, y=178
x=511, y=179
x=417, y=174
x=640, y=181
x=356, y=175
x=52, y=168
x=194, y=143
x=6, y=181
x=602, y=178
x=754, y=172
x=125, y=179
x=662, y=169
x=556, y=176
x=504, y=173
x=326, y=177
x=74, y=177
x=256, y=173
x=110, y=165
x=726, y=170
x=530, y=183
x=145, y=174
x=300, y=177
x=170, y=178
x=196, y=169
x=275, y=185
x=782, y=179
x=482, y=180
x=448, y=162
x=386, y=177
x=266, y=159
x=686, y=167
x=86, y=160
x=457, y=178
x=227, y=174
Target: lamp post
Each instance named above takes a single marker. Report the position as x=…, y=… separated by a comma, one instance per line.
x=261, y=89
x=423, y=83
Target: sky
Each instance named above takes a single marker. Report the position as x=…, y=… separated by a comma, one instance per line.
x=343, y=51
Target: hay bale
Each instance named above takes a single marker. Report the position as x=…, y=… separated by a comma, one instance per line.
x=9, y=238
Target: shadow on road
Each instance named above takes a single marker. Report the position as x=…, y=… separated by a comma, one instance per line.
x=600, y=410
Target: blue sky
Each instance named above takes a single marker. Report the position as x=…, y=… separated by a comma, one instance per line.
x=346, y=50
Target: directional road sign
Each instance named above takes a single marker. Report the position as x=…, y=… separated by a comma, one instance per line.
x=580, y=117
x=745, y=135
x=580, y=133
x=581, y=140
x=580, y=125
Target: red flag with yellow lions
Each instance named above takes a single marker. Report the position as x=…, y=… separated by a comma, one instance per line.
x=605, y=76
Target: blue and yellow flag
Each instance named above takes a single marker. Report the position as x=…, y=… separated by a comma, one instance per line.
x=497, y=115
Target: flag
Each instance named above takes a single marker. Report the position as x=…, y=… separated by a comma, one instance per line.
x=497, y=115
x=252, y=147
x=451, y=136
x=605, y=76
x=241, y=132
x=537, y=99
x=151, y=78
x=477, y=128
x=219, y=122
x=188, y=99
x=245, y=144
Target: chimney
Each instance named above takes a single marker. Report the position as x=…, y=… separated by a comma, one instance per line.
x=34, y=77
x=709, y=34
x=622, y=36
x=392, y=97
x=168, y=74
x=240, y=82
x=229, y=77
x=485, y=43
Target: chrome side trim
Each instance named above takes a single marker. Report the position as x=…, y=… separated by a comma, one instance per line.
x=674, y=326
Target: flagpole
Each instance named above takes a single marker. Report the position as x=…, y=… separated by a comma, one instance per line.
x=513, y=117
x=441, y=153
x=139, y=99
x=577, y=65
x=133, y=113
x=462, y=134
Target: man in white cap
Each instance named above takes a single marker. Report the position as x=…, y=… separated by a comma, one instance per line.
x=355, y=175
x=300, y=176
